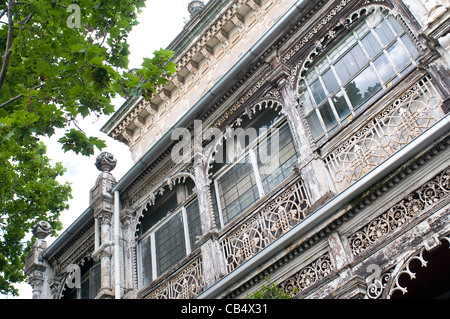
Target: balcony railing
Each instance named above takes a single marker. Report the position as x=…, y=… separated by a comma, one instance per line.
x=265, y=225
x=416, y=110
x=187, y=282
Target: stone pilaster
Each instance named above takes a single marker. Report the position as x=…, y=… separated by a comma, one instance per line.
x=102, y=202
x=310, y=166
x=213, y=261
x=35, y=265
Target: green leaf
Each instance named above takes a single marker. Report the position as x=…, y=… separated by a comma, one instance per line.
x=76, y=47
x=96, y=61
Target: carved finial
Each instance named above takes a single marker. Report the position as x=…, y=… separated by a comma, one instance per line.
x=41, y=229
x=195, y=7
x=105, y=162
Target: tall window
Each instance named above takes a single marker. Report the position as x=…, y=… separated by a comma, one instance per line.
x=250, y=165
x=168, y=233
x=369, y=60
x=89, y=285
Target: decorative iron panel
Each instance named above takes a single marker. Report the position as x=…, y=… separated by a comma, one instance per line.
x=265, y=226
x=428, y=195
x=309, y=275
x=416, y=110
x=187, y=284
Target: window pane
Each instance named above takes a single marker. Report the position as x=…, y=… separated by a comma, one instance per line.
x=350, y=63
x=275, y=163
x=398, y=55
x=342, y=48
x=327, y=115
x=340, y=104
x=384, y=33
x=262, y=121
x=146, y=262
x=362, y=86
x=170, y=243
x=384, y=68
x=238, y=190
x=311, y=76
x=314, y=125
x=397, y=27
x=308, y=104
x=371, y=45
x=95, y=280
x=163, y=205
x=84, y=289
x=194, y=223
x=410, y=45
x=318, y=92
x=330, y=81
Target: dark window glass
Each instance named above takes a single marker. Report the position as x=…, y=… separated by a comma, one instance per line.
x=314, y=125
x=170, y=243
x=194, y=223
x=327, y=115
x=340, y=104
x=146, y=262
x=318, y=92
x=274, y=167
x=238, y=189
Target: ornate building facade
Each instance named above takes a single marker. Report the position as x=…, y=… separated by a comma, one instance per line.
x=307, y=141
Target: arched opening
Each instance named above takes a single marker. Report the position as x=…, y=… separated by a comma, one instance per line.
x=430, y=282
x=168, y=230
x=250, y=162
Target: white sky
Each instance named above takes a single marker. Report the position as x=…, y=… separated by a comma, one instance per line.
x=160, y=22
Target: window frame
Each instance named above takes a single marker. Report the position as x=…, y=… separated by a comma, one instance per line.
x=150, y=233
x=93, y=286
x=250, y=151
x=354, y=38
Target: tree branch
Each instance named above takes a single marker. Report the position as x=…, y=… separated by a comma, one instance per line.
x=8, y=45
x=20, y=96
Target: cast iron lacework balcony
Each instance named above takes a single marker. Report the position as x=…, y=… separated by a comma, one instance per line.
x=359, y=86
x=265, y=225
x=412, y=113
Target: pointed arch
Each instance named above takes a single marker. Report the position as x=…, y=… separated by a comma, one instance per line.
x=333, y=33
x=249, y=112
x=160, y=189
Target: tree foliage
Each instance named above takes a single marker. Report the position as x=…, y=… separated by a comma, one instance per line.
x=62, y=60
x=272, y=291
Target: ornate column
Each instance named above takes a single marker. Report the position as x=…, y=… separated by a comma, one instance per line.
x=35, y=266
x=130, y=285
x=102, y=202
x=310, y=166
x=213, y=261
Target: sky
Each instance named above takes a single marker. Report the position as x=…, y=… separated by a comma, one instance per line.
x=159, y=23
